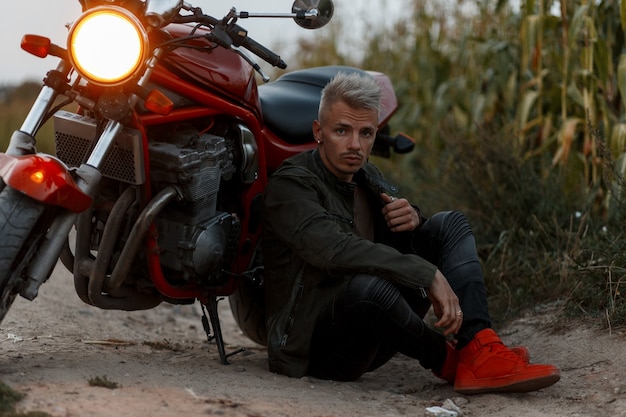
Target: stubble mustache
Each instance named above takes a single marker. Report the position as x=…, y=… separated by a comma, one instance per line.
x=352, y=155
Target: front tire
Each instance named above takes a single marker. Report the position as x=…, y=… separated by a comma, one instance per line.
x=18, y=216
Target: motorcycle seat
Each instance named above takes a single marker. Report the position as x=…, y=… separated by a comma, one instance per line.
x=290, y=104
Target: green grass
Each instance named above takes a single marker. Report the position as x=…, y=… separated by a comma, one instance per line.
x=8, y=400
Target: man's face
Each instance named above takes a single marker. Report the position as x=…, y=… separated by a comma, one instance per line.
x=346, y=137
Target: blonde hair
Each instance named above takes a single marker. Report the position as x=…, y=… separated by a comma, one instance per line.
x=357, y=90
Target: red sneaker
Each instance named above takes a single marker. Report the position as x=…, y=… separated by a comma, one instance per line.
x=486, y=365
x=448, y=370
x=522, y=352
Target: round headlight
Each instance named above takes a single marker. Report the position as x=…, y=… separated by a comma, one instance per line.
x=107, y=45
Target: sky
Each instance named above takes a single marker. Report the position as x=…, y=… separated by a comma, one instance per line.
x=49, y=17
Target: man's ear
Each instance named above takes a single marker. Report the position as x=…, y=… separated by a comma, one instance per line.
x=317, y=131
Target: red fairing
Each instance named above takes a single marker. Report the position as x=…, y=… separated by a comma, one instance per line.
x=44, y=179
x=277, y=150
x=389, y=102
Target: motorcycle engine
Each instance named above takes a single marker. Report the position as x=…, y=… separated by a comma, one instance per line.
x=194, y=237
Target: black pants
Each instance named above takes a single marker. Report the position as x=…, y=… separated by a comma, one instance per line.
x=372, y=319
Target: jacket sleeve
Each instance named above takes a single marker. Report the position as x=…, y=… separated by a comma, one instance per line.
x=295, y=213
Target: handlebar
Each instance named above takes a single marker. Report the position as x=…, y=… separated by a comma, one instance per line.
x=263, y=53
x=237, y=36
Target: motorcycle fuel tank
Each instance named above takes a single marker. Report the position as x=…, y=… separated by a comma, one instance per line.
x=212, y=68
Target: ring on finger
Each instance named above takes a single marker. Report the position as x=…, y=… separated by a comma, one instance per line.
x=459, y=313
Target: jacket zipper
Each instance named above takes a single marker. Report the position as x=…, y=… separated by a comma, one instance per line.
x=292, y=314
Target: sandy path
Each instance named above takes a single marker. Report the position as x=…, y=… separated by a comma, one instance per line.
x=164, y=366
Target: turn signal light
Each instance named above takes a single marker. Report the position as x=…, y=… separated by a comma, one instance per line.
x=158, y=103
x=36, y=45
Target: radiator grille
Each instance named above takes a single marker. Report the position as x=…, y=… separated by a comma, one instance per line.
x=74, y=135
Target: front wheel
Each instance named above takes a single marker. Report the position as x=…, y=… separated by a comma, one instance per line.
x=18, y=216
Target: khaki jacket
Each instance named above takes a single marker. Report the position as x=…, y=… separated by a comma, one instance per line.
x=310, y=250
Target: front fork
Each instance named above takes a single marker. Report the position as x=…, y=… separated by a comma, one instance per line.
x=86, y=178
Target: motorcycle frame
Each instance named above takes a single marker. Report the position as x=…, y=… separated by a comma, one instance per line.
x=210, y=104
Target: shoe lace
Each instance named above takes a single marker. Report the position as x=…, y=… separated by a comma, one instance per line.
x=501, y=350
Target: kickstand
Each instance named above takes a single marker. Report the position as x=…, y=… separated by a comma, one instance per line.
x=211, y=306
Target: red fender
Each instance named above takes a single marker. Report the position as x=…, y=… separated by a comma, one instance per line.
x=43, y=178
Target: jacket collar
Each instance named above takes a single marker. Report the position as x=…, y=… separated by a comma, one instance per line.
x=368, y=176
x=328, y=177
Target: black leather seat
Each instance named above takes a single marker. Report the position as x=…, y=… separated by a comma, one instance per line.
x=290, y=103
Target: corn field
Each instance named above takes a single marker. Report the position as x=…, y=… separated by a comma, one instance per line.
x=518, y=117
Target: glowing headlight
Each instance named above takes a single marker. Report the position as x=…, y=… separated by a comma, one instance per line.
x=107, y=45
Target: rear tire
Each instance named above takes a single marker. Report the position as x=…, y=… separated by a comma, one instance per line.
x=18, y=216
x=247, y=304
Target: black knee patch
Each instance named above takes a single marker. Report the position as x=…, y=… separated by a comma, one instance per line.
x=373, y=289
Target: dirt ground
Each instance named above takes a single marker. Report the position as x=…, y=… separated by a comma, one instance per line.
x=164, y=366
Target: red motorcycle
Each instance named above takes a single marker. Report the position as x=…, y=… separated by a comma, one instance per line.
x=154, y=194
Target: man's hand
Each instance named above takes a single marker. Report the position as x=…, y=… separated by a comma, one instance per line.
x=399, y=214
x=445, y=304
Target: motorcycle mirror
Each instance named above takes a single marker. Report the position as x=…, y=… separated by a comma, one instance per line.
x=323, y=9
